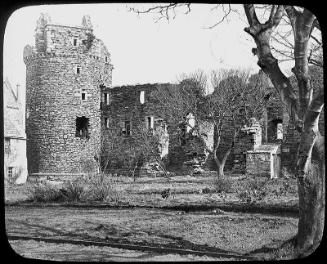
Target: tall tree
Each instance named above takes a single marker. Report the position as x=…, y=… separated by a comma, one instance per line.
x=303, y=108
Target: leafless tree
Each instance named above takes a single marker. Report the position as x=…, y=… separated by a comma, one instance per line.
x=233, y=102
x=130, y=152
x=304, y=109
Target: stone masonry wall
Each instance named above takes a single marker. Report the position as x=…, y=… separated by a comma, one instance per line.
x=258, y=164
x=54, y=90
x=125, y=105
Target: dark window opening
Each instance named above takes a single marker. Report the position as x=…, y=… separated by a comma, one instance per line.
x=82, y=127
x=75, y=42
x=78, y=70
x=127, y=128
x=106, y=59
x=83, y=96
x=149, y=122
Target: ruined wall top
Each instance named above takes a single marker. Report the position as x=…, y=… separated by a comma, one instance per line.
x=45, y=20
x=52, y=39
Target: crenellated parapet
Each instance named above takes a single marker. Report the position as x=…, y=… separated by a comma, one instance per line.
x=66, y=41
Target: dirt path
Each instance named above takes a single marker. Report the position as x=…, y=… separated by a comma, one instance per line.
x=227, y=232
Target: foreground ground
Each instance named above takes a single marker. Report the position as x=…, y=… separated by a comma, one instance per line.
x=232, y=233
x=182, y=221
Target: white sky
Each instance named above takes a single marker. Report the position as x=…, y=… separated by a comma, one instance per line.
x=142, y=51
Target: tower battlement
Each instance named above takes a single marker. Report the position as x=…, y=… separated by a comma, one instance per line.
x=62, y=40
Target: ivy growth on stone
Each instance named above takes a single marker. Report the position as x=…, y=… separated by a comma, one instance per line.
x=88, y=41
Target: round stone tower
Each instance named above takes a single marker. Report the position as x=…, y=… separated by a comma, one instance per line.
x=64, y=75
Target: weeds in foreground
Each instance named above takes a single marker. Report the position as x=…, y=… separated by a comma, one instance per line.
x=101, y=188
x=73, y=191
x=45, y=192
x=93, y=187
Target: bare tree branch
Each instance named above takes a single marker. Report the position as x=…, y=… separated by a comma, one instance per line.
x=223, y=18
x=291, y=13
x=251, y=15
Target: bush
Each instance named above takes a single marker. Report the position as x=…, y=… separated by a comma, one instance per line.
x=45, y=192
x=93, y=187
x=100, y=187
x=73, y=191
x=223, y=185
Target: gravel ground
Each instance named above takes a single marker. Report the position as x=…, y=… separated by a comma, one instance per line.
x=225, y=232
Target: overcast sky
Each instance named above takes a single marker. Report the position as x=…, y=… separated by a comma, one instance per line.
x=142, y=51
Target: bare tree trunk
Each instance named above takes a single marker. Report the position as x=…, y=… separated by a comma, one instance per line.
x=310, y=167
x=220, y=166
x=311, y=189
x=311, y=180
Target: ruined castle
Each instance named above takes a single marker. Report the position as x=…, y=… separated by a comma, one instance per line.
x=64, y=75
x=70, y=101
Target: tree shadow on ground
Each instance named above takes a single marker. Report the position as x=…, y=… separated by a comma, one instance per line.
x=279, y=251
x=178, y=243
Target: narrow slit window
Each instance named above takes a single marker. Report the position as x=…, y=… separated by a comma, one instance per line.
x=75, y=42
x=142, y=97
x=78, y=70
x=83, y=95
x=149, y=122
x=106, y=98
x=82, y=127
x=106, y=122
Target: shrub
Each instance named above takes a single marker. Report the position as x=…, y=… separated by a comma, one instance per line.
x=73, y=191
x=223, y=185
x=93, y=187
x=45, y=192
x=100, y=187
